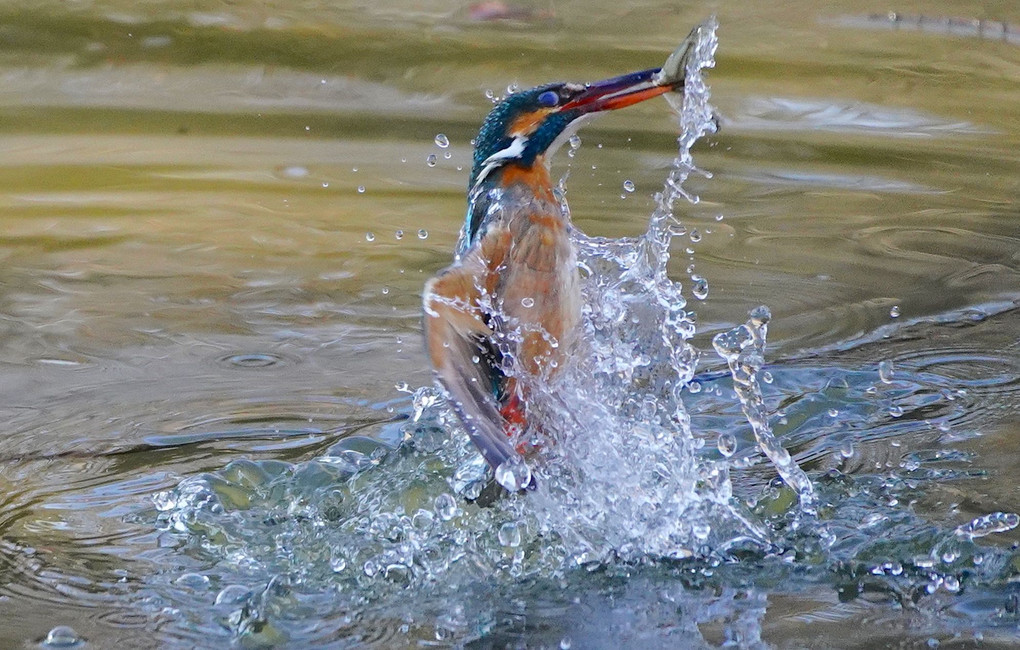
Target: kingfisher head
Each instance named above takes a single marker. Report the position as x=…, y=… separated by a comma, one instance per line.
x=528, y=126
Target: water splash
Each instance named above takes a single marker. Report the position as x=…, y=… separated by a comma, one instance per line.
x=743, y=348
x=621, y=475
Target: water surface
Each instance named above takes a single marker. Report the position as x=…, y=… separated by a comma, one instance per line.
x=216, y=224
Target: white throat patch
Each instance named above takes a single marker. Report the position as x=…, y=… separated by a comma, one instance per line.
x=515, y=149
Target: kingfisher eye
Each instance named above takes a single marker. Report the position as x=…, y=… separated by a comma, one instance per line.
x=549, y=98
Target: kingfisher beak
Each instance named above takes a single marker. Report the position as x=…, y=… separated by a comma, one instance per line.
x=622, y=91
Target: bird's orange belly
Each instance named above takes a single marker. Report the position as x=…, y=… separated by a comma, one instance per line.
x=541, y=293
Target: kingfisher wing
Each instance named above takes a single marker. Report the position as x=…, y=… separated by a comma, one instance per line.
x=459, y=344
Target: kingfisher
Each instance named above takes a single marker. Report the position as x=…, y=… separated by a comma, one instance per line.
x=504, y=315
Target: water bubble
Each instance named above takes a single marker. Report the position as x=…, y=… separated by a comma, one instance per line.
x=431, y=160
x=337, y=563
x=846, y=450
x=895, y=411
x=951, y=584
x=399, y=234
x=894, y=312
x=628, y=185
x=63, y=636
x=885, y=371
x=361, y=189
x=233, y=595
x=727, y=444
x=369, y=236
x=442, y=141
x=510, y=535
x=700, y=287
x=194, y=581
x=446, y=506
x=694, y=387
x=423, y=234
x=528, y=303
x=833, y=413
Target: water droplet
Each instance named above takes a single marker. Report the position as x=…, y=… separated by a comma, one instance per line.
x=431, y=160
x=895, y=311
x=361, y=189
x=528, y=302
x=727, y=444
x=447, y=155
x=694, y=387
x=446, y=506
x=423, y=234
x=354, y=169
x=996, y=522
x=337, y=563
x=895, y=411
x=510, y=535
x=385, y=291
x=695, y=235
x=701, y=531
x=489, y=94
x=574, y=141
x=565, y=643
x=885, y=371
x=442, y=141
x=700, y=288
x=514, y=475
x=846, y=450
x=308, y=128
x=369, y=236
x=63, y=636
x=628, y=185
x=512, y=88
x=718, y=217
x=833, y=413
x=767, y=377
x=399, y=234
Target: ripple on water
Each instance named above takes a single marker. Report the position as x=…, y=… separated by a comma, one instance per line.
x=252, y=360
x=805, y=115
